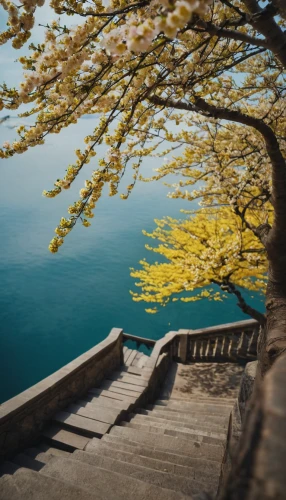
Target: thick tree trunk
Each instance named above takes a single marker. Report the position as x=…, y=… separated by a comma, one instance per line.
x=273, y=339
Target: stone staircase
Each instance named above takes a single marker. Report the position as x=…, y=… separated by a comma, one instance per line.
x=104, y=447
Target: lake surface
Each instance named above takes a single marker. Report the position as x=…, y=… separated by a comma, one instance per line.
x=55, y=307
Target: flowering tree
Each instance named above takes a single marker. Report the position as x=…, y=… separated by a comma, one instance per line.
x=213, y=68
x=211, y=247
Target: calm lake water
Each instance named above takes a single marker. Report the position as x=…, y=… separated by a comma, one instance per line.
x=55, y=307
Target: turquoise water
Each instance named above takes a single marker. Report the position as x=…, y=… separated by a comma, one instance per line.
x=55, y=307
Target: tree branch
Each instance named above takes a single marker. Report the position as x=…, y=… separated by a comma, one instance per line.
x=230, y=288
x=273, y=149
x=220, y=32
x=264, y=23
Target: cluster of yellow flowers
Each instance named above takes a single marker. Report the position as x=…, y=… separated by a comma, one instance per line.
x=119, y=66
x=209, y=247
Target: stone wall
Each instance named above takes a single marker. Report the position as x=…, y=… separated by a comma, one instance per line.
x=23, y=417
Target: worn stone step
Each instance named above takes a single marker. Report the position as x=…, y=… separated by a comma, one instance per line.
x=30, y=463
x=136, y=359
x=129, y=359
x=128, y=454
x=106, y=485
x=126, y=354
x=180, y=431
x=113, y=395
x=106, y=415
x=183, y=446
x=41, y=456
x=82, y=425
x=44, y=447
x=104, y=402
x=194, y=406
x=201, y=413
x=122, y=387
x=134, y=370
x=128, y=379
x=185, y=417
x=26, y=484
x=66, y=440
x=158, y=478
x=142, y=361
x=189, y=424
x=171, y=456
x=201, y=399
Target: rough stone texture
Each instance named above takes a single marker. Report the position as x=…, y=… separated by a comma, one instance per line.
x=172, y=430
x=203, y=379
x=65, y=439
x=201, y=470
x=246, y=386
x=183, y=446
x=207, y=419
x=106, y=415
x=23, y=417
x=106, y=485
x=29, y=485
x=193, y=424
x=86, y=426
x=158, y=478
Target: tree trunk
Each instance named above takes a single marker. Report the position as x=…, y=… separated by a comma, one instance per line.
x=273, y=338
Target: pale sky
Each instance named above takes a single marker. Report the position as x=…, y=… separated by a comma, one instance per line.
x=10, y=70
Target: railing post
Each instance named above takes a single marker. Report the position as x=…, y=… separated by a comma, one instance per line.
x=183, y=348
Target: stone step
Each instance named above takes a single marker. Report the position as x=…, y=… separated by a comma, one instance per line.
x=122, y=387
x=26, y=484
x=66, y=440
x=103, y=402
x=43, y=447
x=182, y=446
x=136, y=359
x=203, y=473
x=210, y=427
x=106, y=415
x=29, y=463
x=171, y=431
x=82, y=425
x=207, y=420
x=202, y=399
x=128, y=379
x=129, y=359
x=126, y=353
x=142, y=361
x=194, y=406
x=189, y=433
x=106, y=485
x=158, y=478
x=172, y=456
x=134, y=370
x=41, y=456
x=113, y=395
x=192, y=413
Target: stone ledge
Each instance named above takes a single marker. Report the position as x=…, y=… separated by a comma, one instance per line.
x=23, y=417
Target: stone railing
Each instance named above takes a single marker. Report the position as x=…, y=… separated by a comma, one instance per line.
x=23, y=417
x=229, y=342
x=149, y=343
